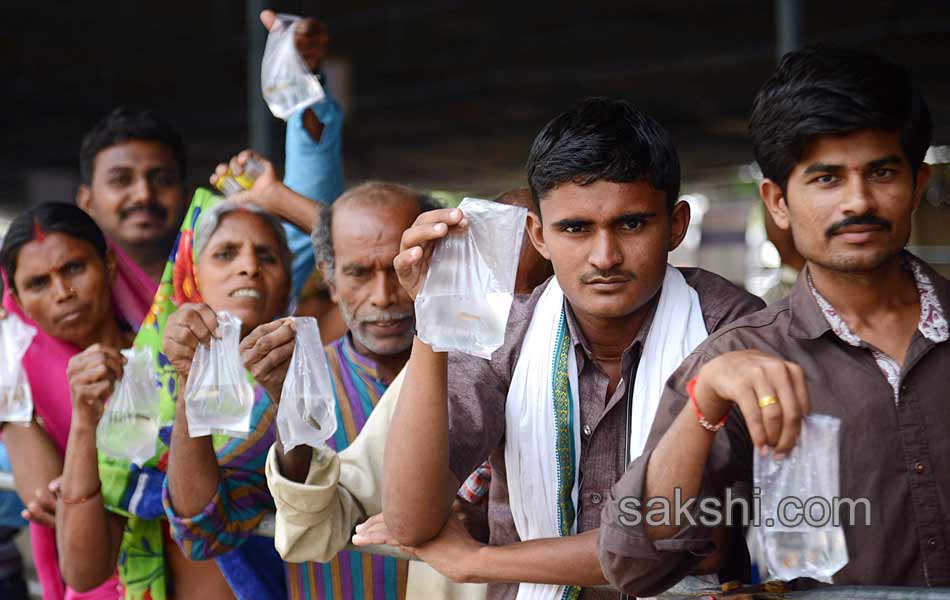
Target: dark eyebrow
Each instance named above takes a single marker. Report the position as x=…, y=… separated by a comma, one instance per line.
x=637, y=216
x=822, y=168
x=891, y=159
x=119, y=169
x=572, y=223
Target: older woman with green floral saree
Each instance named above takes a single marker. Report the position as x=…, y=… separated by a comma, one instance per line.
x=227, y=258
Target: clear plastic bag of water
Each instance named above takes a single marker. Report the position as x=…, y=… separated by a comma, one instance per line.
x=799, y=535
x=287, y=84
x=16, y=398
x=307, y=411
x=129, y=426
x=218, y=396
x=464, y=303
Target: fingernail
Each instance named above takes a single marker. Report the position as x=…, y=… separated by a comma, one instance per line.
x=763, y=450
x=359, y=528
x=440, y=227
x=456, y=213
x=778, y=455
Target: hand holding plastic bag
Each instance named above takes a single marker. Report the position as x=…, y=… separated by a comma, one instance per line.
x=287, y=84
x=16, y=398
x=464, y=303
x=814, y=546
x=129, y=426
x=218, y=396
x=307, y=411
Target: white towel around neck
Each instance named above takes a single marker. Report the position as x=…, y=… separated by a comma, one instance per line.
x=530, y=458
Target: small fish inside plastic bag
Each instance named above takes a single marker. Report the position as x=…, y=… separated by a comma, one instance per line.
x=464, y=303
x=287, y=84
x=307, y=411
x=802, y=539
x=129, y=426
x=218, y=396
x=16, y=398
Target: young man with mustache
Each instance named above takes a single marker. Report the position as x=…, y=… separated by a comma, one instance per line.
x=840, y=137
x=132, y=169
x=596, y=339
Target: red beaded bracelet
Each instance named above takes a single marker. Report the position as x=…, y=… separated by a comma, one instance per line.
x=691, y=390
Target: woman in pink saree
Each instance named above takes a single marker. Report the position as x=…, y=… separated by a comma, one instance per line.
x=64, y=279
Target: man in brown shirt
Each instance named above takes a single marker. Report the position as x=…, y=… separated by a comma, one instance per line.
x=607, y=178
x=840, y=137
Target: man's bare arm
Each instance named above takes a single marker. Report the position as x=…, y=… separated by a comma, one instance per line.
x=417, y=507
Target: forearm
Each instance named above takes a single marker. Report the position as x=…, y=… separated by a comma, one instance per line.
x=292, y=207
x=34, y=458
x=193, y=474
x=86, y=525
x=294, y=465
x=570, y=560
x=415, y=508
x=677, y=462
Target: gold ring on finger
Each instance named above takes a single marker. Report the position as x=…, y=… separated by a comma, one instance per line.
x=767, y=401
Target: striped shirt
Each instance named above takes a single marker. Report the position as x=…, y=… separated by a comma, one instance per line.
x=357, y=388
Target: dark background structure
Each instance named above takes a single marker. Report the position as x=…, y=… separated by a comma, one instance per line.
x=446, y=95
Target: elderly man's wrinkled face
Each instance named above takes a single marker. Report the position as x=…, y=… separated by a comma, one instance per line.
x=376, y=309
x=241, y=270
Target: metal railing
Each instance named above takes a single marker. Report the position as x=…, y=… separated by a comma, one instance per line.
x=682, y=591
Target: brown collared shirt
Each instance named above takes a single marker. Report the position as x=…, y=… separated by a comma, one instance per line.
x=478, y=390
x=892, y=453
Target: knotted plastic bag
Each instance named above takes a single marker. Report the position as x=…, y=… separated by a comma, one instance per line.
x=800, y=536
x=464, y=303
x=16, y=398
x=287, y=84
x=128, y=429
x=218, y=396
x=307, y=411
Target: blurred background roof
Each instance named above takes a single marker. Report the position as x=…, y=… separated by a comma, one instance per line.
x=445, y=95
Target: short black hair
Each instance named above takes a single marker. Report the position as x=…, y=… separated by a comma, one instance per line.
x=51, y=217
x=603, y=139
x=126, y=124
x=831, y=91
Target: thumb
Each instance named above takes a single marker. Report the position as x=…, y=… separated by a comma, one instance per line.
x=268, y=18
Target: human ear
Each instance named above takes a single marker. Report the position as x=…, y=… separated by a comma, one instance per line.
x=536, y=233
x=774, y=200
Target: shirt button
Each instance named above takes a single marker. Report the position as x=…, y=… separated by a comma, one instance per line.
x=903, y=388
x=932, y=542
x=919, y=467
x=588, y=430
x=595, y=498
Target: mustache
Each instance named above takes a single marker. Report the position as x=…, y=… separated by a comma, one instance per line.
x=384, y=316
x=858, y=220
x=612, y=274
x=155, y=210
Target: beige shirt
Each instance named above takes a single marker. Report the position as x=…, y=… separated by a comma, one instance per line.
x=315, y=519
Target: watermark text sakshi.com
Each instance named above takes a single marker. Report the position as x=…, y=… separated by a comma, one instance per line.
x=737, y=509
